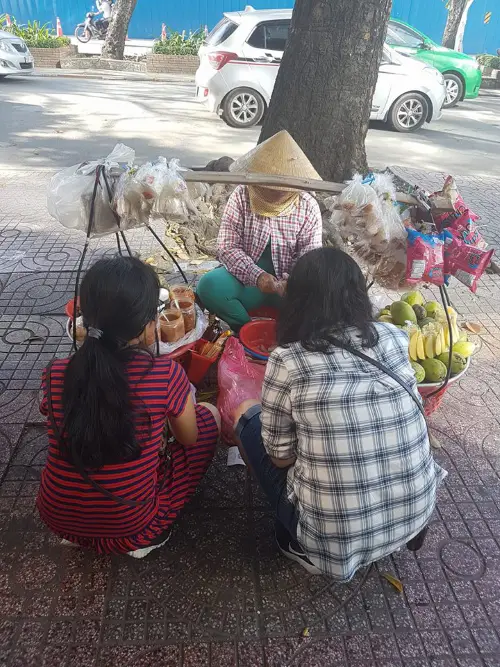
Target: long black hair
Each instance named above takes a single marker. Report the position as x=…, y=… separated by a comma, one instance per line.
x=326, y=293
x=118, y=298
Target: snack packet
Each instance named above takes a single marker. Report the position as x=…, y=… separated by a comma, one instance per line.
x=425, y=258
x=466, y=262
x=466, y=229
x=449, y=197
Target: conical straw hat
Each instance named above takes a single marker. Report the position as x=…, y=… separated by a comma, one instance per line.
x=280, y=155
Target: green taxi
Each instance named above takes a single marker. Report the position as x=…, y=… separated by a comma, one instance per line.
x=461, y=72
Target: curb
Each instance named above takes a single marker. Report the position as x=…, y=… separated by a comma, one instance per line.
x=121, y=76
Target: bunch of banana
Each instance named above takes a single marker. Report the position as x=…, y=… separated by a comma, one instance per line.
x=434, y=337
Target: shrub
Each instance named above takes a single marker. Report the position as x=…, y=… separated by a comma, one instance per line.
x=177, y=44
x=34, y=34
x=489, y=61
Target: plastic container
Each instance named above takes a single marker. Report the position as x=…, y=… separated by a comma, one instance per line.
x=68, y=309
x=181, y=293
x=257, y=337
x=432, y=400
x=188, y=313
x=198, y=365
x=171, y=325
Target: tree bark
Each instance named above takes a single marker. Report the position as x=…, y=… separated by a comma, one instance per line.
x=459, y=40
x=114, y=45
x=324, y=89
x=456, y=11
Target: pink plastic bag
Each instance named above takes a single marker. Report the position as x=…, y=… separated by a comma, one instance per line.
x=239, y=380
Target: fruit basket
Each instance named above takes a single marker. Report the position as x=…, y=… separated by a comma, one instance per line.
x=439, y=350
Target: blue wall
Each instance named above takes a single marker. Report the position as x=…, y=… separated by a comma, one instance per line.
x=427, y=15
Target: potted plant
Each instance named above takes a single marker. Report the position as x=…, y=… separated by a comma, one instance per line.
x=46, y=47
x=177, y=54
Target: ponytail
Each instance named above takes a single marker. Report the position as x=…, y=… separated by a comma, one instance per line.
x=98, y=416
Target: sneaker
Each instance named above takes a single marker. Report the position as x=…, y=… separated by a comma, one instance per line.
x=293, y=551
x=142, y=553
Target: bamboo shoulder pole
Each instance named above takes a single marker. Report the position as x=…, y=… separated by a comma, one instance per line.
x=231, y=178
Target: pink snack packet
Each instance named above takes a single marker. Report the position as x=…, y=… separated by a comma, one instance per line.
x=466, y=262
x=424, y=258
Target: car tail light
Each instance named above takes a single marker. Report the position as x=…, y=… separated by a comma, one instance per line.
x=218, y=59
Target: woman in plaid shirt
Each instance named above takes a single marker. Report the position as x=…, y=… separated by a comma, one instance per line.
x=339, y=447
x=262, y=234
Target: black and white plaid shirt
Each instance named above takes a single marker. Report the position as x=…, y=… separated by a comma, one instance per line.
x=364, y=481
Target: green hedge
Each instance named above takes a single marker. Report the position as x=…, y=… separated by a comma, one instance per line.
x=489, y=61
x=35, y=35
x=178, y=44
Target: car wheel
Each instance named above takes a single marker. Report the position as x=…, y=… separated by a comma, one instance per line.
x=454, y=90
x=243, y=107
x=408, y=113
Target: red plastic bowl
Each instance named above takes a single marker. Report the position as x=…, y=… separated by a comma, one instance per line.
x=258, y=336
x=69, y=307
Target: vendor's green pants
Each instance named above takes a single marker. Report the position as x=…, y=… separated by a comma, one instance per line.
x=223, y=294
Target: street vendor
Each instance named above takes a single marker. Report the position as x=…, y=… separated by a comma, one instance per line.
x=263, y=232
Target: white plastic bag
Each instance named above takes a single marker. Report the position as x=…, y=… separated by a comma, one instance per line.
x=70, y=193
x=191, y=337
x=165, y=179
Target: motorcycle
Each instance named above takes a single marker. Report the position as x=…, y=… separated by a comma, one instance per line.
x=91, y=29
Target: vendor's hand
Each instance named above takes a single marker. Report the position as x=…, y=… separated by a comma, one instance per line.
x=267, y=284
x=282, y=287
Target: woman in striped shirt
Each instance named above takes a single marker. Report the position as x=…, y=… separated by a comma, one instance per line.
x=107, y=484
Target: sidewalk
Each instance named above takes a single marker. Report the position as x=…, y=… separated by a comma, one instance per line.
x=219, y=594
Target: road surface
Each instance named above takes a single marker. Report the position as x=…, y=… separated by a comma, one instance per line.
x=48, y=123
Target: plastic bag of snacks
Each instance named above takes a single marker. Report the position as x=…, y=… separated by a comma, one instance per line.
x=70, y=197
x=170, y=190
x=464, y=261
x=133, y=201
x=239, y=380
x=424, y=258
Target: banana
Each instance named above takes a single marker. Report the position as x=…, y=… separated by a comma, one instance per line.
x=413, y=346
x=420, y=346
x=444, y=347
x=437, y=345
x=429, y=346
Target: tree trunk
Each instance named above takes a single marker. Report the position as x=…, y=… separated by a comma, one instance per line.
x=456, y=9
x=459, y=40
x=324, y=89
x=114, y=45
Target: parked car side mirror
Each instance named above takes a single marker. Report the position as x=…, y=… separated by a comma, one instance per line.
x=426, y=46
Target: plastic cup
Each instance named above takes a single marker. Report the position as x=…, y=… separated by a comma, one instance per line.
x=171, y=325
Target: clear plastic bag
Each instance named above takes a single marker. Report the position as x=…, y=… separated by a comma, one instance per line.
x=70, y=194
x=133, y=201
x=239, y=380
x=170, y=189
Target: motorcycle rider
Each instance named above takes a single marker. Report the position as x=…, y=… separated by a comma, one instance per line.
x=105, y=7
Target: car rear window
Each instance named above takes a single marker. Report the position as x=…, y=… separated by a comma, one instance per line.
x=272, y=36
x=399, y=35
x=222, y=31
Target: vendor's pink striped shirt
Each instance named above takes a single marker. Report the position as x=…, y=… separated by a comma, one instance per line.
x=244, y=236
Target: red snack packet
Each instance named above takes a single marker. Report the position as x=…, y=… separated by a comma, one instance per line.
x=425, y=258
x=466, y=262
x=467, y=230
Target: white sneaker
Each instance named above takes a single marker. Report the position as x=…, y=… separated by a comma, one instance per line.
x=142, y=553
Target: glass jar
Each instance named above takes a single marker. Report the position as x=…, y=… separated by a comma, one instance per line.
x=181, y=293
x=188, y=311
x=171, y=325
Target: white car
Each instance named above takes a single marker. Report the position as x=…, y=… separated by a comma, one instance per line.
x=15, y=57
x=240, y=58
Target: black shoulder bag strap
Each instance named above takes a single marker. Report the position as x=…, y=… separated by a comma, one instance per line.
x=380, y=366
x=77, y=462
